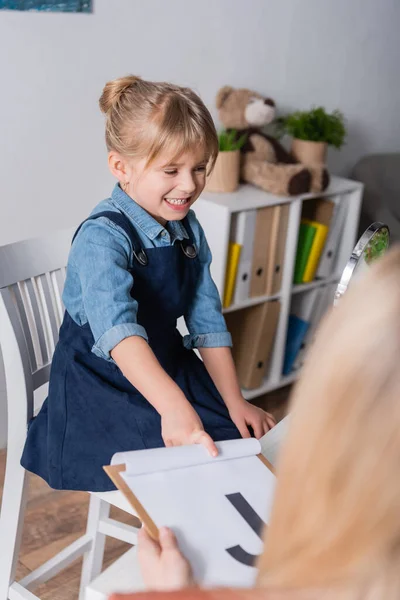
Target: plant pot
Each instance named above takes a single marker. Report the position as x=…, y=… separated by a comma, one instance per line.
x=225, y=176
x=309, y=153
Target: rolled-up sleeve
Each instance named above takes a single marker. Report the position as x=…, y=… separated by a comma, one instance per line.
x=204, y=318
x=101, y=257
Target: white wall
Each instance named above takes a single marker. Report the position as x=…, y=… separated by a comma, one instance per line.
x=337, y=53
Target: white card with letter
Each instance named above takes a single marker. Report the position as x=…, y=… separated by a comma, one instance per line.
x=217, y=507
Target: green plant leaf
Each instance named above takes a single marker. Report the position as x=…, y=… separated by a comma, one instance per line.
x=315, y=125
x=241, y=141
x=228, y=141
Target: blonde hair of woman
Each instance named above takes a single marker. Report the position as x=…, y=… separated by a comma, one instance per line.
x=335, y=525
x=336, y=515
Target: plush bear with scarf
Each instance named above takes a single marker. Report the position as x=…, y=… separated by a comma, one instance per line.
x=265, y=162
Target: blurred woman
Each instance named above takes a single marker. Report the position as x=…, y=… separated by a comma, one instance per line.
x=334, y=530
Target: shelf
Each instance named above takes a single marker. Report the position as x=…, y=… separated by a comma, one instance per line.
x=216, y=212
x=305, y=287
x=268, y=386
x=296, y=289
x=250, y=302
x=248, y=197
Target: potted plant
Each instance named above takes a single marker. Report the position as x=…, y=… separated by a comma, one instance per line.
x=313, y=131
x=225, y=175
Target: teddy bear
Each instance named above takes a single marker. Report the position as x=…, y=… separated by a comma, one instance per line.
x=265, y=162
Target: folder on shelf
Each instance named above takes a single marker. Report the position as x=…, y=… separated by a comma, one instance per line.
x=318, y=209
x=243, y=231
x=262, y=241
x=328, y=258
x=304, y=244
x=253, y=332
x=321, y=232
x=276, y=255
x=302, y=313
x=313, y=319
x=297, y=329
x=323, y=303
x=304, y=304
x=231, y=271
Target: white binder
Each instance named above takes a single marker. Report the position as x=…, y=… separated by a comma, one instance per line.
x=328, y=258
x=304, y=304
x=243, y=234
x=321, y=304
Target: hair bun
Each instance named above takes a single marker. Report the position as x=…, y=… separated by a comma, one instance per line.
x=113, y=91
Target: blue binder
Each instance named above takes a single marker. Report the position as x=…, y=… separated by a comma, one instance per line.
x=297, y=329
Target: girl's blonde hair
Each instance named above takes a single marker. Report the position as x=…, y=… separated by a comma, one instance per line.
x=145, y=119
x=336, y=515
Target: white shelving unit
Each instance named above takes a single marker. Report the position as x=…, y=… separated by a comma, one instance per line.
x=215, y=211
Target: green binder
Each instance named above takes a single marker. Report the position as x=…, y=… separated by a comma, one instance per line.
x=304, y=244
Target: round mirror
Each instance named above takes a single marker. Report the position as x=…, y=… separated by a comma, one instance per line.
x=373, y=243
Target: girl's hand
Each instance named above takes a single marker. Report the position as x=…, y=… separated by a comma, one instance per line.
x=181, y=425
x=244, y=414
x=163, y=566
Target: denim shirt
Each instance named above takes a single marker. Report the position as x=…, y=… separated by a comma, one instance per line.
x=98, y=283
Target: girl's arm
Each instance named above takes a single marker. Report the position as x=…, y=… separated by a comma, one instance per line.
x=219, y=363
x=208, y=333
x=180, y=423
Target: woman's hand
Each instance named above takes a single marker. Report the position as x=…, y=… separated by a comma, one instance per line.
x=163, y=566
x=244, y=415
x=181, y=425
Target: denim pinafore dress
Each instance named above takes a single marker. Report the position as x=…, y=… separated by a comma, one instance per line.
x=92, y=411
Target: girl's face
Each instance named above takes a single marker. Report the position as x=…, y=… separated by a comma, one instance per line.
x=167, y=190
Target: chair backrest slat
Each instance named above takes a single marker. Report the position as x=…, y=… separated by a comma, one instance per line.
x=46, y=294
x=58, y=280
x=35, y=299
x=37, y=323
x=20, y=308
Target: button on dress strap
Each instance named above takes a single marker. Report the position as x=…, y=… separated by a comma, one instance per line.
x=123, y=222
x=188, y=246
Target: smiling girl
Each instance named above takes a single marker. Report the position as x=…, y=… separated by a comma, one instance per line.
x=122, y=376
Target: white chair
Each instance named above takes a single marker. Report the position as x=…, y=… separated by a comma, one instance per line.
x=32, y=275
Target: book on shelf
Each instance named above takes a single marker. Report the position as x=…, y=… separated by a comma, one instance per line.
x=317, y=213
x=231, y=272
x=317, y=246
x=304, y=244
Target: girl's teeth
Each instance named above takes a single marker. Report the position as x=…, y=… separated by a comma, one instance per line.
x=177, y=201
